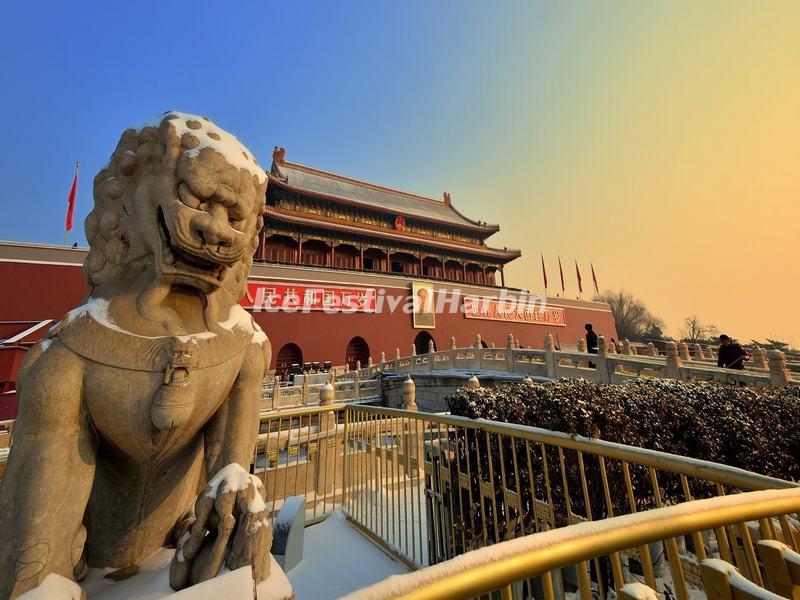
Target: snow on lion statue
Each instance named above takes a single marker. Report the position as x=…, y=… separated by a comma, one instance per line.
x=139, y=411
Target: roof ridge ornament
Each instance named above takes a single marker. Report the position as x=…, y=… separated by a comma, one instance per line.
x=279, y=158
x=447, y=199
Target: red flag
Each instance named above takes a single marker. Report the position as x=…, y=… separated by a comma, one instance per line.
x=544, y=273
x=561, y=271
x=71, y=200
x=578, y=271
x=594, y=279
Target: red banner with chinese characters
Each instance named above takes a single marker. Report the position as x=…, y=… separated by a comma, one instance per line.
x=263, y=296
x=493, y=309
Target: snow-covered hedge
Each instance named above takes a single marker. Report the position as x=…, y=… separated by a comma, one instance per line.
x=753, y=429
x=757, y=429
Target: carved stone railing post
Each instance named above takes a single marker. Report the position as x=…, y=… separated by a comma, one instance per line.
x=778, y=373
x=326, y=447
x=327, y=396
x=626, y=347
x=478, y=362
x=383, y=357
x=304, y=399
x=452, y=342
x=431, y=348
x=410, y=444
x=509, y=352
x=491, y=345
x=413, y=349
x=611, y=348
x=634, y=351
x=357, y=381
x=683, y=351
x=409, y=391
x=550, y=356
x=582, y=348
x=698, y=352
x=651, y=349
x=397, y=353
x=276, y=391
x=603, y=374
x=369, y=362
x=760, y=358
x=673, y=367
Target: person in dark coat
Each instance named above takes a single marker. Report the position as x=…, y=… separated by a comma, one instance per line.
x=731, y=354
x=591, y=339
x=591, y=342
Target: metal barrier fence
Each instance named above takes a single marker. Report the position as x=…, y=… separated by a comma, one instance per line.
x=433, y=487
x=300, y=452
x=757, y=523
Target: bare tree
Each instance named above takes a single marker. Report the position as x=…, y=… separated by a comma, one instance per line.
x=695, y=330
x=634, y=321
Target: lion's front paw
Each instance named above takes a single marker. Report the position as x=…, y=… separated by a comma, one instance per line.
x=229, y=526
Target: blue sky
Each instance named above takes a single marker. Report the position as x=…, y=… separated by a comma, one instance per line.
x=374, y=90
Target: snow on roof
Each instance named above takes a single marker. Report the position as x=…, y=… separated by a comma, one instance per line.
x=211, y=136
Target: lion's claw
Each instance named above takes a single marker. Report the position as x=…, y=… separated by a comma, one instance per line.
x=230, y=527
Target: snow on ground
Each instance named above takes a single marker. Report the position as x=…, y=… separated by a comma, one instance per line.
x=152, y=583
x=338, y=560
x=54, y=587
x=396, y=515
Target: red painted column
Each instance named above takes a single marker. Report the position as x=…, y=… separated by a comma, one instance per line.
x=299, y=250
x=332, y=254
x=502, y=277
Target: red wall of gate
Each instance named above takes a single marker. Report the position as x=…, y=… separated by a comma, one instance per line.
x=35, y=291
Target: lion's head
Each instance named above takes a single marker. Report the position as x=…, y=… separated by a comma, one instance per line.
x=184, y=192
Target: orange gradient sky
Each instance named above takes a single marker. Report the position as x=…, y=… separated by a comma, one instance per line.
x=666, y=150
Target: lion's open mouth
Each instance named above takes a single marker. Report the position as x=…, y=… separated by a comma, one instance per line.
x=185, y=266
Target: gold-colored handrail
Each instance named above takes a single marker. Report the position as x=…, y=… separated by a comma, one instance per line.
x=432, y=487
x=498, y=566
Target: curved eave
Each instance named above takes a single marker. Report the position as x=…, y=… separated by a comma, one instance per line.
x=486, y=230
x=502, y=256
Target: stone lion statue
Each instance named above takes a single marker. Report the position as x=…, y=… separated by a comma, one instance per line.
x=139, y=411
